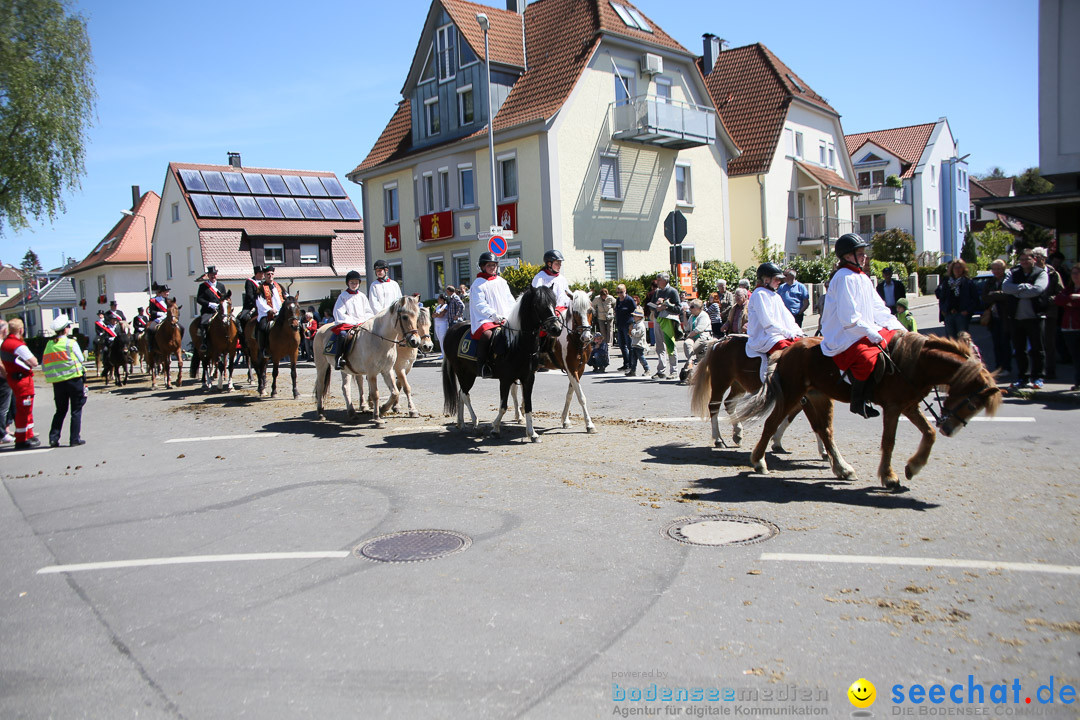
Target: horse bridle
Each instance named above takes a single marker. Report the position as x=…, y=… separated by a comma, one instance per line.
x=950, y=413
x=404, y=341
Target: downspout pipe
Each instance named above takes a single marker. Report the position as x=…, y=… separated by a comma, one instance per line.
x=764, y=208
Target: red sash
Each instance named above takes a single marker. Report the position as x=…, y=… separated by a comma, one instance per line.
x=158, y=305
x=213, y=290
x=106, y=328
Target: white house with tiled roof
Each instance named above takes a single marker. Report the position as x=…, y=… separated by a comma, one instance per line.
x=115, y=269
x=301, y=222
x=602, y=126
x=933, y=204
x=793, y=183
x=10, y=282
x=54, y=299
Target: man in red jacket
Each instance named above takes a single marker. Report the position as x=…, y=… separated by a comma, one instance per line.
x=19, y=364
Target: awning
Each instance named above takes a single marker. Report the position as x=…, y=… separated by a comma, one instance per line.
x=1050, y=210
x=828, y=179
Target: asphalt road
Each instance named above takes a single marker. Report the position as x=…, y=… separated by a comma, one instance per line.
x=569, y=596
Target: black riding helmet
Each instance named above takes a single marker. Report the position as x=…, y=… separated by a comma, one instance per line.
x=848, y=243
x=352, y=275
x=382, y=265
x=551, y=256
x=768, y=270
x=486, y=257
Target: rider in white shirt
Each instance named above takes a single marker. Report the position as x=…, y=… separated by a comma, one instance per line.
x=770, y=325
x=855, y=323
x=268, y=303
x=549, y=276
x=491, y=302
x=352, y=308
x=384, y=290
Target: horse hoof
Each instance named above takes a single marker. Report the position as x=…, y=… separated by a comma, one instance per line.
x=718, y=443
x=321, y=415
x=273, y=394
x=911, y=471
x=414, y=414
x=590, y=429
x=567, y=425
x=534, y=438
x=824, y=456
x=760, y=467
x=296, y=396
x=380, y=423
x=893, y=486
x=778, y=448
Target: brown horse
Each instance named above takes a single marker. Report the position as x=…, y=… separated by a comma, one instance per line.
x=222, y=331
x=726, y=366
x=284, y=341
x=571, y=355
x=921, y=363
x=168, y=339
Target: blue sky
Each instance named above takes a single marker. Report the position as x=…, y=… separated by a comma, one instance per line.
x=311, y=85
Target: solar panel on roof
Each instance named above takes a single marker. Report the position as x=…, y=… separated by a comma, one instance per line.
x=256, y=183
x=296, y=185
x=248, y=206
x=269, y=207
x=193, y=181
x=641, y=22
x=214, y=181
x=290, y=208
x=328, y=209
x=204, y=205
x=235, y=181
x=347, y=210
x=309, y=208
x=314, y=186
x=333, y=187
x=227, y=206
x=277, y=185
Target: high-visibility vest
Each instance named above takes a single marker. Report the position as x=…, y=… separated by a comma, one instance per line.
x=59, y=362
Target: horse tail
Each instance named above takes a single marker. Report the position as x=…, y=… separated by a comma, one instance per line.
x=759, y=405
x=701, y=385
x=449, y=387
x=325, y=382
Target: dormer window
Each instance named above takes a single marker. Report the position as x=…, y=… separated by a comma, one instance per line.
x=429, y=67
x=431, y=116
x=445, y=57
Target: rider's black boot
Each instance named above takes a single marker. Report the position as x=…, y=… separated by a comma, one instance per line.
x=862, y=393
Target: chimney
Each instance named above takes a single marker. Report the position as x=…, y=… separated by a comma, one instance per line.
x=711, y=52
x=234, y=160
x=517, y=6
x=135, y=195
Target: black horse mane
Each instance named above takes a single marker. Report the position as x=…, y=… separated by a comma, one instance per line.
x=528, y=314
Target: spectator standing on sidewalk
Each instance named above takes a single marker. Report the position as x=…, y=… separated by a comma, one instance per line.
x=716, y=315
x=639, y=343
x=604, y=314
x=1054, y=286
x=958, y=299
x=737, y=319
x=795, y=296
x=890, y=290
x=5, y=393
x=667, y=308
x=624, y=312
x=19, y=364
x=1026, y=285
x=1068, y=300
x=996, y=303
x=905, y=316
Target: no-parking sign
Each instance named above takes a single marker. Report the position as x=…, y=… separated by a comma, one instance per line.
x=497, y=245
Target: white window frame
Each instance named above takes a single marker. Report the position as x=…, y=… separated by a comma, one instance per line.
x=309, y=258
x=462, y=169
x=429, y=60
x=798, y=145
x=933, y=175
x=444, y=188
x=102, y=285
x=190, y=260
x=176, y=212
x=441, y=36
x=832, y=155
x=665, y=83
x=688, y=200
x=500, y=162
x=432, y=121
x=432, y=285
x=427, y=190
x=823, y=153
x=396, y=272
x=390, y=203
x=456, y=259
x=461, y=91
x=274, y=246
x=629, y=76
x=82, y=289
x=611, y=158
x=616, y=247
x=513, y=250
x=789, y=141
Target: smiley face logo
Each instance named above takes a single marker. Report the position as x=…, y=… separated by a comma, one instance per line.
x=862, y=693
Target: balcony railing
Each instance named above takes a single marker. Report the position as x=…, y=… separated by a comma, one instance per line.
x=884, y=195
x=817, y=228
x=666, y=123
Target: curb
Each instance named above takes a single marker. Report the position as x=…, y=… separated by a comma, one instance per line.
x=1067, y=397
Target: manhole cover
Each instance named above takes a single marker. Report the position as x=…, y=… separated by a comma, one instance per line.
x=716, y=530
x=414, y=546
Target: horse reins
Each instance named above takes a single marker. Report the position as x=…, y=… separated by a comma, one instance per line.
x=943, y=414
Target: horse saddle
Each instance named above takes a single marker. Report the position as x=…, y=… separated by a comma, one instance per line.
x=467, y=348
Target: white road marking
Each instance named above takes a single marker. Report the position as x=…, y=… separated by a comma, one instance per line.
x=224, y=437
x=983, y=418
x=191, y=559
x=924, y=562
x=672, y=419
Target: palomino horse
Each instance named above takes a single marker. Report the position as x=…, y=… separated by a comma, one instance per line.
x=406, y=358
x=374, y=352
x=283, y=341
x=571, y=355
x=514, y=352
x=168, y=339
x=221, y=331
x=114, y=357
x=724, y=367
x=922, y=362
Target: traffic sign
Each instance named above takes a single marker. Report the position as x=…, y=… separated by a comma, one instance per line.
x=497, y=245
x=495, y=230
x=675, y=227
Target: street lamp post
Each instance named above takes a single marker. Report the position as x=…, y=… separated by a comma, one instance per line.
x=146, y=244
x=485, y=25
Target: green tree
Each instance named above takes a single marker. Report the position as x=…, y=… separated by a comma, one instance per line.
x=46, y=106
x=712, y=270
x=993, y=241
x=969, y=253
x=994, y=173
x=767, y=252
x=1031, y=182
x=894, y=245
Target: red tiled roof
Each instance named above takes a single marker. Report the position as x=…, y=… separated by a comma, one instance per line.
x=906, y=143
x=222, y=248
x=9, y=273
x=125, y=242
x=998, y=187
x=504, y=32
x=561, y=36
x=827, y=178
x=13, y=302
x=752, y=90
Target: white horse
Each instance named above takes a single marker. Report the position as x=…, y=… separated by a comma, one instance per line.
x=374, y=352
x=406, y=358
